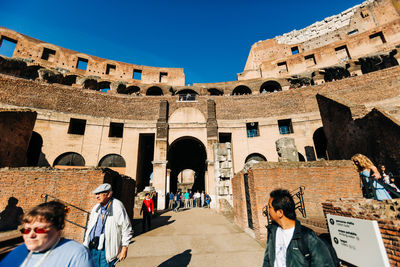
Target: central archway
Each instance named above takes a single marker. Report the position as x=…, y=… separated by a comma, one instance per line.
x=187, y=153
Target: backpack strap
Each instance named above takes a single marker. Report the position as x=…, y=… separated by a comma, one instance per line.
x=302, y=243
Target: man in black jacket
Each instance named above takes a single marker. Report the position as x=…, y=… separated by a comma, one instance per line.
x=287, y=237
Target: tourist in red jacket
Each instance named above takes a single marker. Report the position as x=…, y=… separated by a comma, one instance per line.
x=147, y=209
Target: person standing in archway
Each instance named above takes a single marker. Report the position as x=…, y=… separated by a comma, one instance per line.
x=147, y=210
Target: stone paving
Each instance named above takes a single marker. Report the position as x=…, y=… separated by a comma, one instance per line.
x=195, y=237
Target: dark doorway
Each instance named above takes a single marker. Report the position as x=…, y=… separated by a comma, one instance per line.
x=270, y=86
x=34, y=149
x=225, y=137
x=320, y=143
x=154, y=91
x=187, y=153
x=241, y=90
x=145, y=157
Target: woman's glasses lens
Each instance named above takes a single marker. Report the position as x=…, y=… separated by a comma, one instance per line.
x=26, y=231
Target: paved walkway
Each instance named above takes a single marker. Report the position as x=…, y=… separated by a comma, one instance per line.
x=196, y=237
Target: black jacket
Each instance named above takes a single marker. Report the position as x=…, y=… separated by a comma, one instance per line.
x=320, y=255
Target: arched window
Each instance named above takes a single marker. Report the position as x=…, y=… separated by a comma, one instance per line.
x=256, y=157
x=130, y=90
x=270, y=86
x=69, y=159
x=90, y=84
x=154, y=90
x=112, y=160
x=214, y=91
x=241, y=90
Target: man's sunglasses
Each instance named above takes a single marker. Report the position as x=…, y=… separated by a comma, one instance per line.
x=26, y=231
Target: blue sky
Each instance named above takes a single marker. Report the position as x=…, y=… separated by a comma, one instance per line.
x=209, y=39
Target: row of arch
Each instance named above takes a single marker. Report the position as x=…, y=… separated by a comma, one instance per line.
x=76, y=159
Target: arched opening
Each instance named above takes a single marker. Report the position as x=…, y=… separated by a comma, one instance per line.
x=103, y=85
x=112, y=160
x=154, y=91
x=187, y=95
x=69, y=159
x=301, y=157
x=187, y=91
x=320, y=143
x=130, y=90
x=241, y=90
x=255, y=157
x=378, y=62
x=69, y=80
x=90, y=84
x=335, y=73
x=270, y=86
x=187, y=153
x=215, y=91
x=34, y=149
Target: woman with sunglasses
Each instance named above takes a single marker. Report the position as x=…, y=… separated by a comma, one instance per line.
x=43, y=244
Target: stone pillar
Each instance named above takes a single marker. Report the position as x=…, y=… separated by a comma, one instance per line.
x=354, y=69
x=168, y=189
x=212, y=138
x=160, y=155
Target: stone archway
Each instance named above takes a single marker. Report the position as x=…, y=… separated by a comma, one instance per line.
x=187, y=153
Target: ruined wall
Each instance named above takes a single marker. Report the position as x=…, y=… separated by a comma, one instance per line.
x=386, y=213
x=364, y=29
x=15, y=132
x=66, y=61
x=322, y=180
x=74, y=186
x=373, y=133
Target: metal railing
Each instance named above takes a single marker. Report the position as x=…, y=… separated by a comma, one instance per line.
x=297, y=195
x=68, y=205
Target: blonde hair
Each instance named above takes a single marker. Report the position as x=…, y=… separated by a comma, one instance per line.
x=364, y=162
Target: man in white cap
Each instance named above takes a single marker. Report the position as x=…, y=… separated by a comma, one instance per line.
x=109, y=229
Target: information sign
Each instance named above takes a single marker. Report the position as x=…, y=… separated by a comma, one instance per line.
x=357, y=241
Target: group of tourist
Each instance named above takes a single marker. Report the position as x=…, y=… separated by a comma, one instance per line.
x=188, y=200
x=374, y=180
x=106, y=240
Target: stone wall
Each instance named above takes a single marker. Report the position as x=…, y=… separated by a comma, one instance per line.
x=372, y=87
x=73, y=186
x=373, y=133
x=15, y=132
x=66, y=60
x=386, y=213
x=322, y=180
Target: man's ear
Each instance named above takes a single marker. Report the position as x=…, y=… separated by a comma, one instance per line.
x=279, y=213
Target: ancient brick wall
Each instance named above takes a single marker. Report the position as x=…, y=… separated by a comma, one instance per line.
x=372, y=87
x=373, y=133
x=322, y=180
x=15, y=132
x=73, y=186
x=386, y=213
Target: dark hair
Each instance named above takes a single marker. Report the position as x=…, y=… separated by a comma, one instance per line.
x=147, y=194
x=282, y=200
x=53, y=212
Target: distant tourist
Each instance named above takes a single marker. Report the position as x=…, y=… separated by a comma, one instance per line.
x=198, y=196
x=171, y=201
x=286, y=235
x=109, y=229
x=186, y=196
x=388, y=178
x=177, y=201
x=147, y=210
x=11, y=215
x=202, y=198
x=191, y=198
x=370, y=174
x=208, y=200
x=43, y=244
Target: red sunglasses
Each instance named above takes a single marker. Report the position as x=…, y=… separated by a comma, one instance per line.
x=26, y=231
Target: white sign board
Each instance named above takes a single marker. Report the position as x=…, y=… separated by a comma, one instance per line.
x=357, y=241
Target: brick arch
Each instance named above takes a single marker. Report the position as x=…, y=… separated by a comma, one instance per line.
x=242, y=90
x=69, y=159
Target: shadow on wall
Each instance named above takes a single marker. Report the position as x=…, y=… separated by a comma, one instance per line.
x=182, y=259
x=10, y=216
